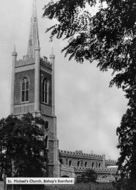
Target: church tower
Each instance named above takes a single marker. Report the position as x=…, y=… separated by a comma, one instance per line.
x=33, y=90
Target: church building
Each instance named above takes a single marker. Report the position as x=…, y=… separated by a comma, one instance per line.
x=33, y=91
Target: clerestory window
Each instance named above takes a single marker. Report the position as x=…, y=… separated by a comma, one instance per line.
x=25, y=89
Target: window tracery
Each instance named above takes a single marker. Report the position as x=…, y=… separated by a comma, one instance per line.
x=25, y=90
x=45, y=91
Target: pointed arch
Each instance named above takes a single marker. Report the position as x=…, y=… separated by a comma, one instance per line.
x=45, y=91
x=25, y=89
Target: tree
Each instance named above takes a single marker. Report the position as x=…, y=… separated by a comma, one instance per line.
x=109, y=37
x=127, y=145
x=89, y=176
x=22, y=146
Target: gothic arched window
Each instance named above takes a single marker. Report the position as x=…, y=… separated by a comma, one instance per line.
x=25, y=89
x=85, y=164
x=70, y=162
x=78, y=163
x=45, y=91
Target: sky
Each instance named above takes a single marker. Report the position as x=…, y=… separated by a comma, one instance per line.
x=88, y=111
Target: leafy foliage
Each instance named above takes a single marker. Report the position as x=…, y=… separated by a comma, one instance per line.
x=127, y=144
x=22, y=146
x=108, y=36
x=88, y=176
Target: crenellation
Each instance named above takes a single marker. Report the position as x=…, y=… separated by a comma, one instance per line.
x=105, y=170
x=110, y=162
x=30, y=60
x=81, y=155
x=24, y=62
x=45, y=62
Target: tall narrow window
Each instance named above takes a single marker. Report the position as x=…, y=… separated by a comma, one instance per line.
x=45, y=91
x=70, y=162
x=25, y=90
x=78, y=163
x=46, y=124
x=46, y=142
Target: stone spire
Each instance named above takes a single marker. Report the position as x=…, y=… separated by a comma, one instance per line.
x=33, y=42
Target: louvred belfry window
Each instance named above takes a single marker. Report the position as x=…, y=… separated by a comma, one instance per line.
x=25, y=90
x=45, y=91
